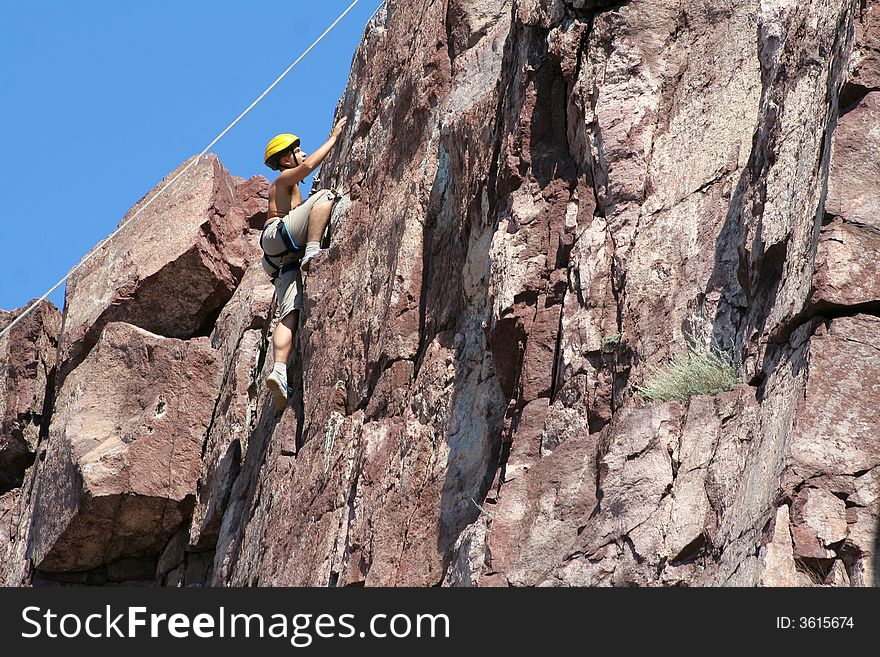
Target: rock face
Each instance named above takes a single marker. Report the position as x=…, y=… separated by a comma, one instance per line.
x=240, y=337
x=173, y=268
x=27, y=367
x=117, y=479
x=124, y=449
x=570, y=192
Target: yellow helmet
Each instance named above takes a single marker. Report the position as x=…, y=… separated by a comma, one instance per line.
x=277, y=144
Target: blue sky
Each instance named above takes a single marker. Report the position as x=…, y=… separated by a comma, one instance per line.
x=101, y=99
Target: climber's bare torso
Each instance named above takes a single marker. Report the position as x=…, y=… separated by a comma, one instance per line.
x=282, y=199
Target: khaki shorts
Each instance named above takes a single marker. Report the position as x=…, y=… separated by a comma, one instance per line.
x=297, y=224
x=288, y=291
x=288, y=286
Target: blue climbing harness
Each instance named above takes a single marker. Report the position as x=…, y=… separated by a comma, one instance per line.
x=290, y=247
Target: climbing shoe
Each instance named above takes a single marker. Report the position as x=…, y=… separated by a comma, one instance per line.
x=278, y=387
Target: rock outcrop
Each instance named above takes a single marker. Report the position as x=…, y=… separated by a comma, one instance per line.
x=174, y=267
x=27, y=376
x=27, y=370
x=137, y=390
x=549, y=199
x=124, y=449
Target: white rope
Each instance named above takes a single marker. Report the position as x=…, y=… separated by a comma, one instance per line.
x=34, y=304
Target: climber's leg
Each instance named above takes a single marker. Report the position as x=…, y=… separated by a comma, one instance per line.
x=308, y=221
x=282, y=340
x=288, y=292
x=300, y=219
x=319, y=217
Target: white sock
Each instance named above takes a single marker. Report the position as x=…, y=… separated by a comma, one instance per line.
x=311, y=249
x=281, y=370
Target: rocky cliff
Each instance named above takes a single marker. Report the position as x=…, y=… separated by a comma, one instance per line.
x=549, y=200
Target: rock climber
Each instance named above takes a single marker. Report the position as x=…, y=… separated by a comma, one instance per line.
x=291, y=238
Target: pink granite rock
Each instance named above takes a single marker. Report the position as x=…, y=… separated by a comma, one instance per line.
x=852, y=184
x=647, y=173
x=13, y=540
x=27, y=369
x=171, y=269
x=124, y=449
x=847, y=269
x=548, y=199
x=865, y=62
x=836, y=422
x=778, y=565
x=239, y=336
x=834, y=449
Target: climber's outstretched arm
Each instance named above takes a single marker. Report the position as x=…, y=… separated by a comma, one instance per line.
x=295, y=175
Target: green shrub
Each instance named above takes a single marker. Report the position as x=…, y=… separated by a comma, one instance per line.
x=702, y=371
x=612, y=341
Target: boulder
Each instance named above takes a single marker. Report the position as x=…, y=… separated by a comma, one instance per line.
x=852, y=188
x=173, y=267
x=847, y=269
x=124, y=449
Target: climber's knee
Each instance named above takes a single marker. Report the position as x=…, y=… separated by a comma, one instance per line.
x=323, y=206
x=328, y=197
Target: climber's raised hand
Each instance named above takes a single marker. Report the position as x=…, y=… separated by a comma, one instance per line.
x=337, y=129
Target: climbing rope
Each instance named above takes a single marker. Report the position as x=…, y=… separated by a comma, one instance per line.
x=103, y=242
